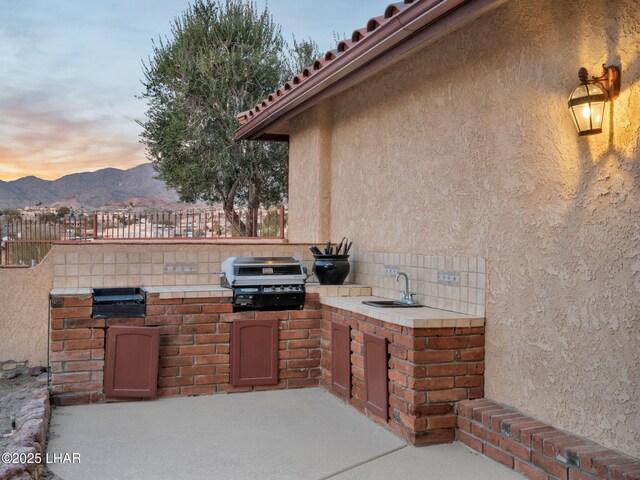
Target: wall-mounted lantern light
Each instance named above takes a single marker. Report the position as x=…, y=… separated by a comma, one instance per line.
x=586, y=103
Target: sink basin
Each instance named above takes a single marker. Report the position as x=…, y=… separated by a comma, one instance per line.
x=389, y=304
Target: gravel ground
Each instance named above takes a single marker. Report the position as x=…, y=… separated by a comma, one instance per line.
x=14, y=393
x=49, y=475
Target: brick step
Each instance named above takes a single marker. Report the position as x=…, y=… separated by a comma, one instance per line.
x=535, y=449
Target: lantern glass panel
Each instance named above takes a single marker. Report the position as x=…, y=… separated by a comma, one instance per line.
x=588, y=108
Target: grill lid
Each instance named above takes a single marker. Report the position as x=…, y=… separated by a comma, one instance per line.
x=262, y=271
x=244, y=266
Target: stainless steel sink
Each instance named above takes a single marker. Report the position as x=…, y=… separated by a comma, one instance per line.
x=389, y=304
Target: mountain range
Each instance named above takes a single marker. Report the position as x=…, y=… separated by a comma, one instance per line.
x=106, y=188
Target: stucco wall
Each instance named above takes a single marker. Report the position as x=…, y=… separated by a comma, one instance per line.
x=24, y=307
x=466, y=148
x=311, y=177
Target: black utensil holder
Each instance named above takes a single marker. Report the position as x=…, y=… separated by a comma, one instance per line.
x=331, y=269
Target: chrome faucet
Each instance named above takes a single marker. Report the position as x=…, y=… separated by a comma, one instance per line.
x=407, y=296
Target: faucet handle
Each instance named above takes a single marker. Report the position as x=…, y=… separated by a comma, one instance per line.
x=408, y=296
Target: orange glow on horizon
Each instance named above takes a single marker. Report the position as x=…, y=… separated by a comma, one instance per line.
x=12, y=170
x=58, y=150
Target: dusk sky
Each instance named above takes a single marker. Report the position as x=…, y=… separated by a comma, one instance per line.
x=70, y=71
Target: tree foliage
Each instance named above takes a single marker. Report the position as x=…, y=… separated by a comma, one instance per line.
x=302, y=55
x=223, y=58
x=47, y=217
x=63, y=211
x=11, y=214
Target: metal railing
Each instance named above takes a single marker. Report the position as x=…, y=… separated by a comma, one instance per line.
x=25, y=241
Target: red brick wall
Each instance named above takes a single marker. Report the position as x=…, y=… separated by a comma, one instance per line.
x=535, y=449
x=194, y=346
x=429, y=370
x=76, y=351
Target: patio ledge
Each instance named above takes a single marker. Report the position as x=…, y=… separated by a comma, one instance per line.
x=71, y=292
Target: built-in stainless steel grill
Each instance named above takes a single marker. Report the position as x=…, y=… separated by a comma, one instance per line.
x=265, y=283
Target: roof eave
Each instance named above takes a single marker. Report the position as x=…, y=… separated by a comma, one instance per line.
x=403, y=32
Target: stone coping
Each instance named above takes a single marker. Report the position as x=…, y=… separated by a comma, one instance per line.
x=70, y=292
x=421, y=317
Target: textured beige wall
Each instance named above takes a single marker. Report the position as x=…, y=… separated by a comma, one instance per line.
x=311, y=178
x=24, y=307
x=466, y=148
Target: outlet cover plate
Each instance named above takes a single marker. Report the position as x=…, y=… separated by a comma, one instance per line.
x=449, y=278
x=391, y=271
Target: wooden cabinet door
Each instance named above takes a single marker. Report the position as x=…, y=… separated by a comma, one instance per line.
x=254, y=352
x=131, y=361
x=341, y=359
x=375, y=375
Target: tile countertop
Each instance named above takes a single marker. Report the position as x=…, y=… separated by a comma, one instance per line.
x=186, y=291
x=202, y=291
x=191, y=291
x=420, y=317
x=346, y=297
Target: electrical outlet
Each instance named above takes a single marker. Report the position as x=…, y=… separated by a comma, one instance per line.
x=170, y=268
x=391, y=271
x=449, y=278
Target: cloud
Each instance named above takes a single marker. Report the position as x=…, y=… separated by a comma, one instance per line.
x=70, y=73
x=49, y=142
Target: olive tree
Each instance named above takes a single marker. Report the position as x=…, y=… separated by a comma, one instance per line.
x=222, y=58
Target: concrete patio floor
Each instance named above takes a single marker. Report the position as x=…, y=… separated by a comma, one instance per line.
x=285, y=434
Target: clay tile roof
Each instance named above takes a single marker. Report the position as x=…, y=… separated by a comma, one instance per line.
x=358, y=35
x=374, y=23
x=392, y=9
x=344, y=45
x=318, y=64
x=332, y=55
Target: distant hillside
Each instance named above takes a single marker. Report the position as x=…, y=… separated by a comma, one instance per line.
x=109, y=186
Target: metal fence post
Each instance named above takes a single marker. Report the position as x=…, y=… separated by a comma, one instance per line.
x=282, y=221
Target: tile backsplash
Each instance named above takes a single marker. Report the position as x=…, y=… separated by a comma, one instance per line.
x=449, y=283
x=446, y=282
x=157, y=265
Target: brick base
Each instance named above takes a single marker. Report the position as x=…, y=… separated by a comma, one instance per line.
x=535, y=449
x=194, y=346
x=429, y=370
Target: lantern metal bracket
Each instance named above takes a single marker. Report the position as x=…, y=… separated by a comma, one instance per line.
x=609, y=81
